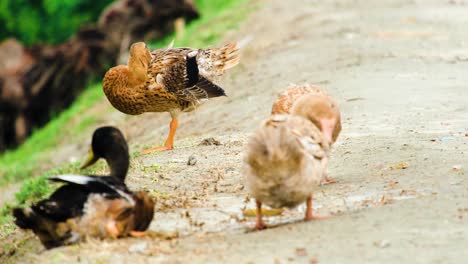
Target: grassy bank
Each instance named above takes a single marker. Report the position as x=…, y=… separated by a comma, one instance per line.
x=218, y=16
x=24, y=164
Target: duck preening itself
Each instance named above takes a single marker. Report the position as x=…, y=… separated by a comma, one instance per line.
x=315, y=105
x=283, y=164
x=91, y=206
x=167, y=80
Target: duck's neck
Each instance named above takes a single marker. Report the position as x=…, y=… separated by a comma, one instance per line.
x=119, y=165
x=138, y=70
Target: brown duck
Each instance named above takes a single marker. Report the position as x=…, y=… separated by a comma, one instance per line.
x=283, y=164
x=314, y=104
x=167, y=80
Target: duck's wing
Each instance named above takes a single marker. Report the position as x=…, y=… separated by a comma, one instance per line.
x=106, y=185
x=310, y=138
x=178, y=72
x=162, y=59
x=66, y=202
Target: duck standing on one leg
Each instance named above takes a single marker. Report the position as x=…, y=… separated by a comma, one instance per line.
x=167, y=80
x=283, y=164
x=91, y=206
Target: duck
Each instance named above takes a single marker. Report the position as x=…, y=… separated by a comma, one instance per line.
x=286, y=98
x=170, y=80
x=317, y=106
x=283, y=164
x=314, y=104
x=89, y=205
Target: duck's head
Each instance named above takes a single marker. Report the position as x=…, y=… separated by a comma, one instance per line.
x=139, y=60
x=109, y=143
x=320, y=110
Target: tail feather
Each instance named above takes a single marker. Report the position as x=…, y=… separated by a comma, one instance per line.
x=214, y=62
x=211, y=89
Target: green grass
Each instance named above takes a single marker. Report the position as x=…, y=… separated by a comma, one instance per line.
x=22, y=163
x=217, y=17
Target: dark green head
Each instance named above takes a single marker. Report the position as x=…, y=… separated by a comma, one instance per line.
x=109, y=143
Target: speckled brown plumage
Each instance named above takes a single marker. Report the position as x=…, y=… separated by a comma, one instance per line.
x=163, y=81
x=168, y=80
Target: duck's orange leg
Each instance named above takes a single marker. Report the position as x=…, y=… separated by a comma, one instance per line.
x=308, y=214
x=259, y=225
x=329, y=180
x=326, y=179
x=170, y=138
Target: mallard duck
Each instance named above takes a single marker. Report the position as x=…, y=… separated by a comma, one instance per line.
x=283, y=163
x=314, y=104
x=167, y=80
x=91, y=206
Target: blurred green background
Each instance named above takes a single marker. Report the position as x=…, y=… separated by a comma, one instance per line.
x=46, y=21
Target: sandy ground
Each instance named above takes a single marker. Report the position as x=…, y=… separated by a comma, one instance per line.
x=399, y=70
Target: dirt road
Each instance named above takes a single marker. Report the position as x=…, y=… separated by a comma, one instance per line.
x=399, y=70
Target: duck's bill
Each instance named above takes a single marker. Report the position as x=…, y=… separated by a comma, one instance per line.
x=90, y=159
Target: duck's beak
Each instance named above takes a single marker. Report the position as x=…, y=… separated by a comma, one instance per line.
x=328, y=125
x=90, y=159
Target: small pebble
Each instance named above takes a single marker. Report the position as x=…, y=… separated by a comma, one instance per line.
x=382, y=243
x=209, y=141
x=192, y=160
